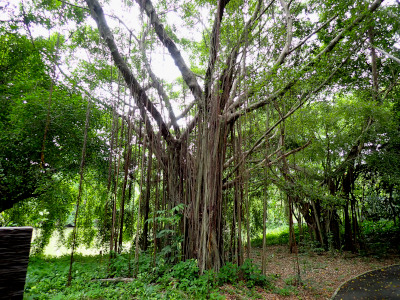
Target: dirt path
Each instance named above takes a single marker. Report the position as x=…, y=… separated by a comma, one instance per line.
x=320, y=274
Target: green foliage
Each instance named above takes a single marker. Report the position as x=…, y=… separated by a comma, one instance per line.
x=335, y=118
x=380, y=237
x=229, y=273
x=249, y=272
x=276, y=236
x=42, y=193
x=285, y=291
x=47, y=278
x=119, y=265
x=187, y=270
x=185, y=276
x=252, y=275
x=169, y=220
x=26, y=93
x=310, y=247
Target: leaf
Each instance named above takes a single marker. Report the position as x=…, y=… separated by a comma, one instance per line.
x=164, y=233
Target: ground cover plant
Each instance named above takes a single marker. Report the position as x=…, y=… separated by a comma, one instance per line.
x=312, y=273
x=95, y=277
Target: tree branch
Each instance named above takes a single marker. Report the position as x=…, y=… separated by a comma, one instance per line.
x=386, y=53
x=137, y=91
x=159, y=87
x=270, y=163
x=187, y=74
x=214, y=46
x=186, y=110
x=303, y=98
x=289, y=35
x=311, y=34
x=306, y=67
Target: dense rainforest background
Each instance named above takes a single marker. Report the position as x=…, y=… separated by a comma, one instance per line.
x=185, y=130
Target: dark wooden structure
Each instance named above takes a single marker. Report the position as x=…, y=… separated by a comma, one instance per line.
x=15, y=243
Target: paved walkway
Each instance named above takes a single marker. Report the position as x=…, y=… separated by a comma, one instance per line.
x=379, y=284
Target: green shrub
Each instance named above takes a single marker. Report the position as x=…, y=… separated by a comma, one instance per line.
x=119, y=266
x=187, y=269
x=252, y=275
x=249, y=272
x=229, y=273
x=379, y=237
x=47, y=279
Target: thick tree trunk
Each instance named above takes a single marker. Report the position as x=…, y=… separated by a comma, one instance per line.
x=209, y=195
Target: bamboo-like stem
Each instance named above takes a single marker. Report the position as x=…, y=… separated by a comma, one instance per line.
x=78, y=200
x=126, y=171
x=139, y=208
x=135, y=164
x=264, y=238
x=117, y=224
x=156, y=209
x=239, y=198
x=147, y=198
x=115, y=180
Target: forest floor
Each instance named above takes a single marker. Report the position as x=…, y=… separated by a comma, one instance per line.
x=320, y=273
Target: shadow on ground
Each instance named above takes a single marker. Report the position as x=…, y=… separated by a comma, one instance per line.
x=382, y=283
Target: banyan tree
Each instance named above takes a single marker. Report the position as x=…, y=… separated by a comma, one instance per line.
x=263, y=60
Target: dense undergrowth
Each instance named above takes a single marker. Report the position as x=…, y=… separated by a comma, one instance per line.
x=47, y=279
x=376, y=238
x=47, y=276
x=380, y=237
